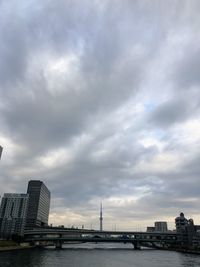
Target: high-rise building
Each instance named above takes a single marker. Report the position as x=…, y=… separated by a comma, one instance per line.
x=181, y=223
x=1, y=149
x=39, y=203
x=13, y=213
x=161, y=227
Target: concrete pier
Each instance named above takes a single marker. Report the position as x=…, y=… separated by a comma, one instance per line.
x=58, y=244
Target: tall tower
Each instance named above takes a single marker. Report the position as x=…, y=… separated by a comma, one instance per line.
x=101, y=218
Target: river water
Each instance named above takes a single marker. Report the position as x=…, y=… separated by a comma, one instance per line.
x=97, y=255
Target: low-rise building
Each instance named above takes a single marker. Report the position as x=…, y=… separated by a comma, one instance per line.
x=161, y=227
x=150, y=229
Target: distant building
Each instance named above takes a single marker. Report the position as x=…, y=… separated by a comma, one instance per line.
x=181, y=222
x=1, y=149
x=39, y=204
x=161, y=227
x=13, y=213
x=101, y=218
x=150, y=229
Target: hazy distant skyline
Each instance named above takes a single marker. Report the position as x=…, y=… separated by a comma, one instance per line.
x=101, y=101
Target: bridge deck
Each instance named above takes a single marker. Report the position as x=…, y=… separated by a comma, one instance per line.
x=81, y=235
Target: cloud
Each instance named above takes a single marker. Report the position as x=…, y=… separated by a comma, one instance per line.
x=176, y=110
x=187, y=72
x=101, y=101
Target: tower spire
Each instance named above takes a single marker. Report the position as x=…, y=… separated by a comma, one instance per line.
x=101, y=218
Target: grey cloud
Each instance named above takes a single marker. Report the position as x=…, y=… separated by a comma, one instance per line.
x=59, y=117
x=173, y=111
x=187, y=72
x=192, y=167
x=87, y=177
x=115, y=43
x=13, y=52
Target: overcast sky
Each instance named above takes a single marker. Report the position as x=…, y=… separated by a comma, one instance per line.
x=101, y=100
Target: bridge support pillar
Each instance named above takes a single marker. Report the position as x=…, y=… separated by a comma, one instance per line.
x=136, y=245
x=58, y=244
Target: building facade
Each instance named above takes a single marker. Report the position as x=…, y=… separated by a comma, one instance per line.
x=150, y=229
x=181, y=222
x=13, y=213
x=39, y=204
x=1, y=149
x=161, y=227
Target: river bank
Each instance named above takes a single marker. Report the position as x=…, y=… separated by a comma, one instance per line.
x=189, y=251
x=182, y=250
x=11, y=245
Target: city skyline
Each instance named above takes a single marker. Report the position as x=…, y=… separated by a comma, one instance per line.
x=101, y=101
x=35, y=212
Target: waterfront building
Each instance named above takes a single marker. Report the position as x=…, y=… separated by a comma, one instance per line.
x=181, y=222
x=1, y=149
x=161, y=227
x=13, y=213
x=39, y=204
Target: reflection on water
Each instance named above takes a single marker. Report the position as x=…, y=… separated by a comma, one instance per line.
x=97, y=255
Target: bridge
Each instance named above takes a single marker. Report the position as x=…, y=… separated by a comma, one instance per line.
x=59, y=236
